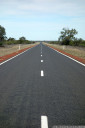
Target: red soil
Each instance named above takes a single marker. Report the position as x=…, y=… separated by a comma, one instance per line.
x=6, y=57
x=72, y=56
x=3, y=58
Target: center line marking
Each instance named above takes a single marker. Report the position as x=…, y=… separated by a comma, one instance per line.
x=44, y=122
x=42, y=73
x=41, y=55
x=41, y=60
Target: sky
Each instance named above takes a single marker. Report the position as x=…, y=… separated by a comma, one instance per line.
x=42, y=19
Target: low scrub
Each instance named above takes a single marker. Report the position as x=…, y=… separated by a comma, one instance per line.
x=9, y=42
x=1, y=43
x=54, y=42
x=78, y=42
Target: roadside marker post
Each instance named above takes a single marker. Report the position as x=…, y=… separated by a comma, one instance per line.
x=19, y=46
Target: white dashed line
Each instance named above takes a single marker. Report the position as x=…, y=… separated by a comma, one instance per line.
x=44, y=122
x=41, y=61
x=41, y=49
x=41, y=55
x=42, y=73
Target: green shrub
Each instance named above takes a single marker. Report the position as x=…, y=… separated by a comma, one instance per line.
x=54, y=42
x=28, y=42
x=82, y=43
x=71, y=43
x=1, y=43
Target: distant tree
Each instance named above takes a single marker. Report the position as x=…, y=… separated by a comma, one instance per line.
x=5, y=38
x=67, y=36
x=11, y=39
x=2, y=34
x=78, y=42
x=22, y=39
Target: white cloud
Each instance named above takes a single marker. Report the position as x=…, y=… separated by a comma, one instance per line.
x=62, y=7
x=41, y=16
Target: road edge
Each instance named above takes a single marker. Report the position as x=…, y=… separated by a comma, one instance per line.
x=17, y=54
x=66, y=56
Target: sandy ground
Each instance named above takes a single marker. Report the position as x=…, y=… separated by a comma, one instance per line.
x=13, y=48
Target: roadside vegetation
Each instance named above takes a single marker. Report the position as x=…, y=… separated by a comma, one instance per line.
x=8, y=49
x=8, y=41
x=67, y=37
x=68, y=43
x=11, y=45
x=73, y=50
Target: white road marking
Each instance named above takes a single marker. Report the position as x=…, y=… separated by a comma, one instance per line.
x=16, y=56
x=44, y=122
x=41, y=49
x=41, y=55
x=41, y=61
x=42, y=73
x=68, y=57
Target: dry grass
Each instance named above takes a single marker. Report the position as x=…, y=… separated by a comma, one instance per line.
x=13, y=48
x=73, y=50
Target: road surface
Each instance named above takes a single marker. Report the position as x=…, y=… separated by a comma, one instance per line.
x=41, y=82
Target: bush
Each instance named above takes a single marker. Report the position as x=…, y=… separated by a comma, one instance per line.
x=71, y=43
x=65, y=42
x=24, y=42
x=11, y=42
x=2, y=34
x=82, y=43
x=67, y=35
x=28, y=42
x=54, y=42
x=1, y=43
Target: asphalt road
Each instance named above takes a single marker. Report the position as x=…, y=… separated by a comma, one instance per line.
x=25, y=95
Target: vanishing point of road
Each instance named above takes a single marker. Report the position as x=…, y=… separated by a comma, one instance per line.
x=41, y=82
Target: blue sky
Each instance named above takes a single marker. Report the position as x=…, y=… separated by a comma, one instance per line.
x=42, y=19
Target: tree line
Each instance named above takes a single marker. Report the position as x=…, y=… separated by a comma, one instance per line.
x=67, y=37
x=4, y=40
